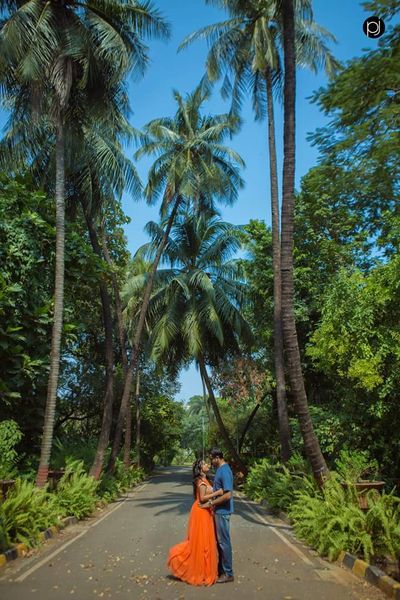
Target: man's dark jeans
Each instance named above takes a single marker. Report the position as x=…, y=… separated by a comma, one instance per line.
x=224, y=544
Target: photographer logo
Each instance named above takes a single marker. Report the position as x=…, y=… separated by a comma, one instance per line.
x=374, y=27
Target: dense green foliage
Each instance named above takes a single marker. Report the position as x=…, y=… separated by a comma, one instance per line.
x=330, y=519
x=10, y=436
x=28, y=510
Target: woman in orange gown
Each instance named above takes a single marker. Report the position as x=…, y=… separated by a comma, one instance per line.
x=196, y=559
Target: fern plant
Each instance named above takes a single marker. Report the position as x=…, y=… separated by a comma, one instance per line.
x=383, y=524
x=331, y=521
x=277, y=483
x=112, y=486
x=27, y=511
x=76, y=492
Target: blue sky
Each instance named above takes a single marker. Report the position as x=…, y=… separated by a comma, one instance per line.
x=152, y=97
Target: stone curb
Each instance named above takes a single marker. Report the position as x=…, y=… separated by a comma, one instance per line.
x=372, y=574
x=22, y=549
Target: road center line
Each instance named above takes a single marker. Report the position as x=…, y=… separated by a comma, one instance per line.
x=296, y=550
x=61, y=548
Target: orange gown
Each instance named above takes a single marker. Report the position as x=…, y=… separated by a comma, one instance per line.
x=196, y=559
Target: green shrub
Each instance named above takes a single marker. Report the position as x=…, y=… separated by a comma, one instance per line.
x=76, y=491
x=27, y=511
x=74, y=448
x=353, y=465
x=112, y=486
x=330, y=520
x=10, y=436
x=383, y=523
x=277, y=483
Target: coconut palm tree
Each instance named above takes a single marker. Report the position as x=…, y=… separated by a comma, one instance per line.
x=192, y=165
x=52, y=55
x=195, y=310
x=246, y=50
x=311, y=443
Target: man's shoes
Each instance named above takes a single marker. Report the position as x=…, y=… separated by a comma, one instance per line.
x=225, y=578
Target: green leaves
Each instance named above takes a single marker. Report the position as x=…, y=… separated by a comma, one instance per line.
x=356, y=326
x=76, y=491
x=27, y=511
x=196, y=306
x=10, y=436
x=331, y=521
x=248, y=44
x=191, y=160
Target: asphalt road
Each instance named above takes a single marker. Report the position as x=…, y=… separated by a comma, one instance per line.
x=121, y=554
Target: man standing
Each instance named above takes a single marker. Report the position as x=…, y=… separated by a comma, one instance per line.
x=223, y=508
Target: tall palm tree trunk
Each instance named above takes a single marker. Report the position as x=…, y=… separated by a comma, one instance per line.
x=247, y=426
x=118, y=303
x=311, y=443
x=137, y=338
x=122, y=343
x=108, y=401
x=221, y=426
x=283, y=420
x=206, y=403
x=48, y=427
x=138, y=419
x=128, y=426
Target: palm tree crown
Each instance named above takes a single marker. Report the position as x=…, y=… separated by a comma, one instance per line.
x=248, y=44
x=196, y=304
x=191, y=160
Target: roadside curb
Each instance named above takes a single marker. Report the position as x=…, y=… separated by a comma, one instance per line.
x=372, y=574
x=22, y=549
x=358, y=567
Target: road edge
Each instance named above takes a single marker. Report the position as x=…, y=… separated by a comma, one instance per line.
x=20, y=550
x=358, y=567
x=370, y=573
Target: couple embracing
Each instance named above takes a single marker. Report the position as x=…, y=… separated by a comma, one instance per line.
x=205, y=557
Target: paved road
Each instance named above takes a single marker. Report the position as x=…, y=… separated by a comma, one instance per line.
x=121, y=554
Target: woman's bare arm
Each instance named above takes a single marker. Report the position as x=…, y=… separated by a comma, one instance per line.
x=204, y=497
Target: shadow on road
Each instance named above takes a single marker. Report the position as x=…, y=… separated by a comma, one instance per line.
x=179, y=503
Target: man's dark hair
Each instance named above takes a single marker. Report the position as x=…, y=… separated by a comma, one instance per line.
x=216, y=453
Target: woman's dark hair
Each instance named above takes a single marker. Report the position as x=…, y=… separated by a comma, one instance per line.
x=196, y=474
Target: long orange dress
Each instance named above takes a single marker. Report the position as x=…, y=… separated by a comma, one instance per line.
x=196, y=559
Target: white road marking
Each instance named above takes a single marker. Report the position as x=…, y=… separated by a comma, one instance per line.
x=61, y=548
x=294, y=548
x=48, y=558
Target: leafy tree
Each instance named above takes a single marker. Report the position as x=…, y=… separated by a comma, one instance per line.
x=357, y=345
x=26, y=247
x=242, y=382
x=360, y=143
